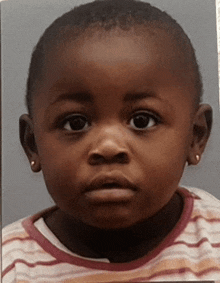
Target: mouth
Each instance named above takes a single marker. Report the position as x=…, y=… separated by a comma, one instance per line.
x=110, y=189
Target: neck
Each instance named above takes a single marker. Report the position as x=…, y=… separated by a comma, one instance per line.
x=121, y=245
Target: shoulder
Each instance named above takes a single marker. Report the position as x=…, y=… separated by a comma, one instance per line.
x=22, y=231
x=196, y=249
x=13, y=237
x=205, y=201
x=204, y=196
x=11, y=230
x=20, y=248
x=204, y=221
x=205, y=206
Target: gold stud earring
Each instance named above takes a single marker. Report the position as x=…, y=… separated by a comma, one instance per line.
x=32, y=163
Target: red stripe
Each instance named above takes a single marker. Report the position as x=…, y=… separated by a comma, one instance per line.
x=196, y=245
x=178, y=271
x=16, y=239
x=206, y=219
x=10, y=267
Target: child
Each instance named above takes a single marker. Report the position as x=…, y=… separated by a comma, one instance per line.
x=114, y=114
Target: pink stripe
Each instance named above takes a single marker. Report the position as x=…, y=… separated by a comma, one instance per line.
x=10, y=267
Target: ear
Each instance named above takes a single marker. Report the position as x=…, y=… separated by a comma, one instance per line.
x=27, y=140
x=201, y=131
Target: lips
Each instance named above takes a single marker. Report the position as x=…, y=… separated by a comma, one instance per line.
x=110, y=188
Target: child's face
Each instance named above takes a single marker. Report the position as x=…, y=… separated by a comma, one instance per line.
x=113, y=126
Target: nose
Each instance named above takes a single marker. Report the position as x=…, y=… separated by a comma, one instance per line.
x=109, y=146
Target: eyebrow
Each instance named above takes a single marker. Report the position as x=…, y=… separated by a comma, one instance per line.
x=81, y=97
x=131, y=97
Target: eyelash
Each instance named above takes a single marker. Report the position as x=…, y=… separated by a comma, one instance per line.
x=145, y=114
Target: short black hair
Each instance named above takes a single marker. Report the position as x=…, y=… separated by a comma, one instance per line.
x=107, y=15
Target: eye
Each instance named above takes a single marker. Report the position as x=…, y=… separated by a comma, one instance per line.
x=143, y=120
x=76, y=122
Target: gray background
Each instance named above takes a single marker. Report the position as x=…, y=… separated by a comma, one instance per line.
x=23, y=21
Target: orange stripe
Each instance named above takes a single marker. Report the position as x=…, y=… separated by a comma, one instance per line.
x=208, y=215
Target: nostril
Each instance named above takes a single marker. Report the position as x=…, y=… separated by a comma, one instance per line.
x=121, y=157
x=96, y=159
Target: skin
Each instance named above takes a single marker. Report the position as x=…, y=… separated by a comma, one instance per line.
x=123, y=74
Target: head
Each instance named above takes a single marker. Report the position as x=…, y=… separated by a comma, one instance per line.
x=114, y=100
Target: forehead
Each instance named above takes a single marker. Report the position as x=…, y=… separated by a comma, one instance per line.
x=97, y=44
x=135, y=51
x=142, y=36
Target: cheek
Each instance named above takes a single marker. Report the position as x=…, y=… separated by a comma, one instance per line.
x=60, y=166
x=59, y=175
x=162, y=159
x=158, y=171
x=57, y=154
x=166, y=146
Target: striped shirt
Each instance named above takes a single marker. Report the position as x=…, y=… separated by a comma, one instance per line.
x=191, y=251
